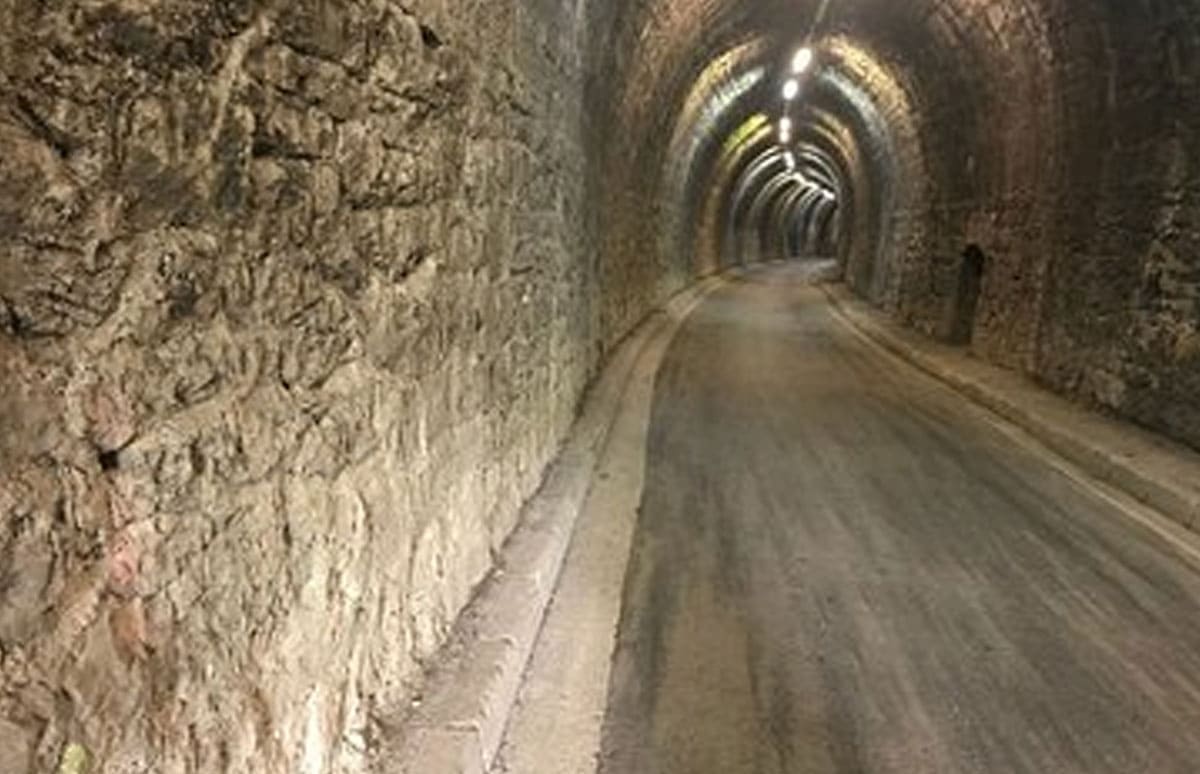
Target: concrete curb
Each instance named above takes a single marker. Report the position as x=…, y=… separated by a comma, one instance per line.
x=1150, y=468
x=468, y=699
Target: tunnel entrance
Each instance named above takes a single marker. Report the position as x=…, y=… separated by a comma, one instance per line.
x=966, y=295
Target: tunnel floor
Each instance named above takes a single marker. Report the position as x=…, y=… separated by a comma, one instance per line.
x=842, y=566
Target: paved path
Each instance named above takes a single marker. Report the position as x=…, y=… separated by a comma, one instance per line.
x=842, y=566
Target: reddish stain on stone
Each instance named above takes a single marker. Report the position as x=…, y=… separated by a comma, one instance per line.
x=122, y=564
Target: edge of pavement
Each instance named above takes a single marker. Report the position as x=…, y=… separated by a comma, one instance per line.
x=1158, y=472
x=459, y=724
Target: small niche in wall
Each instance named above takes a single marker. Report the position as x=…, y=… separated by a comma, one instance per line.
x=965, y=301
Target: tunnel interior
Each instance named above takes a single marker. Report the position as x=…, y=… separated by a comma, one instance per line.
x=298, y=300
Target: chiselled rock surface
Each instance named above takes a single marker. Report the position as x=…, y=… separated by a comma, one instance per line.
x=293, y=313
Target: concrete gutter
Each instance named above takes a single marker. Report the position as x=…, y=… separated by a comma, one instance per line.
x=1153, y=470
x=460, y=723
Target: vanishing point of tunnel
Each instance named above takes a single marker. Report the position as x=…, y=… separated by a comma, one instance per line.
x=599, y=386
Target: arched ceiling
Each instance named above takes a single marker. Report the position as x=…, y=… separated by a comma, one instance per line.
x=890, y=114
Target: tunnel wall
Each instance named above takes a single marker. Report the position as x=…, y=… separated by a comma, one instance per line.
x=630, y=110
x=658, y=66
x=1061, y=139
x=1086, y=203
x=1121, y=310
x=296, y=303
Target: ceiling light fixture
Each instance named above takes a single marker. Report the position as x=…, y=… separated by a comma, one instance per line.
x=802, y=60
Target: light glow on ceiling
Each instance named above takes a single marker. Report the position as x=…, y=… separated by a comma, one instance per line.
x=802, y=60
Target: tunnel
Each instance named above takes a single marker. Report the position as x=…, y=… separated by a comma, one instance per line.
x=302, y=303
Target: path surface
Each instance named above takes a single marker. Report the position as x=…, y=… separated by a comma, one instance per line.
x=842, y=566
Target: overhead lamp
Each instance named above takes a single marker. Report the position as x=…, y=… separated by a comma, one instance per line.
x=789, y=160
x=802, y=60
x=785, y=129
x=790, y=89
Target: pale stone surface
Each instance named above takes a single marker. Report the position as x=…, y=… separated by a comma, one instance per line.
x=292, y=321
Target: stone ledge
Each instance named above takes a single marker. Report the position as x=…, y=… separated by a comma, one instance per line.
x=460, y=723
x=1152, y=469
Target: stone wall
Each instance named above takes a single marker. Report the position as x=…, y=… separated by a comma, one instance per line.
x=1083, y=189
x=1121, y=315
x=1061, y=139
x=296, y=303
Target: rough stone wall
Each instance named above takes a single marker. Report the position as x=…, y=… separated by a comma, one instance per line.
x=989, y=139
x=1081, y=187
x=1060, y=138
x=650, y=56
x=1121, y=314
x=295, y=305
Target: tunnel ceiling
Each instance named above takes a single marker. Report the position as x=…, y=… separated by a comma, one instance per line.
x=696, y=76
x=699, y=71
x=694, y=71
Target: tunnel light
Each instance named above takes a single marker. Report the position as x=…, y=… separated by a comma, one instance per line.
x=789, y=160
x=802, y=60
x=791, y=89
x=785, y=129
